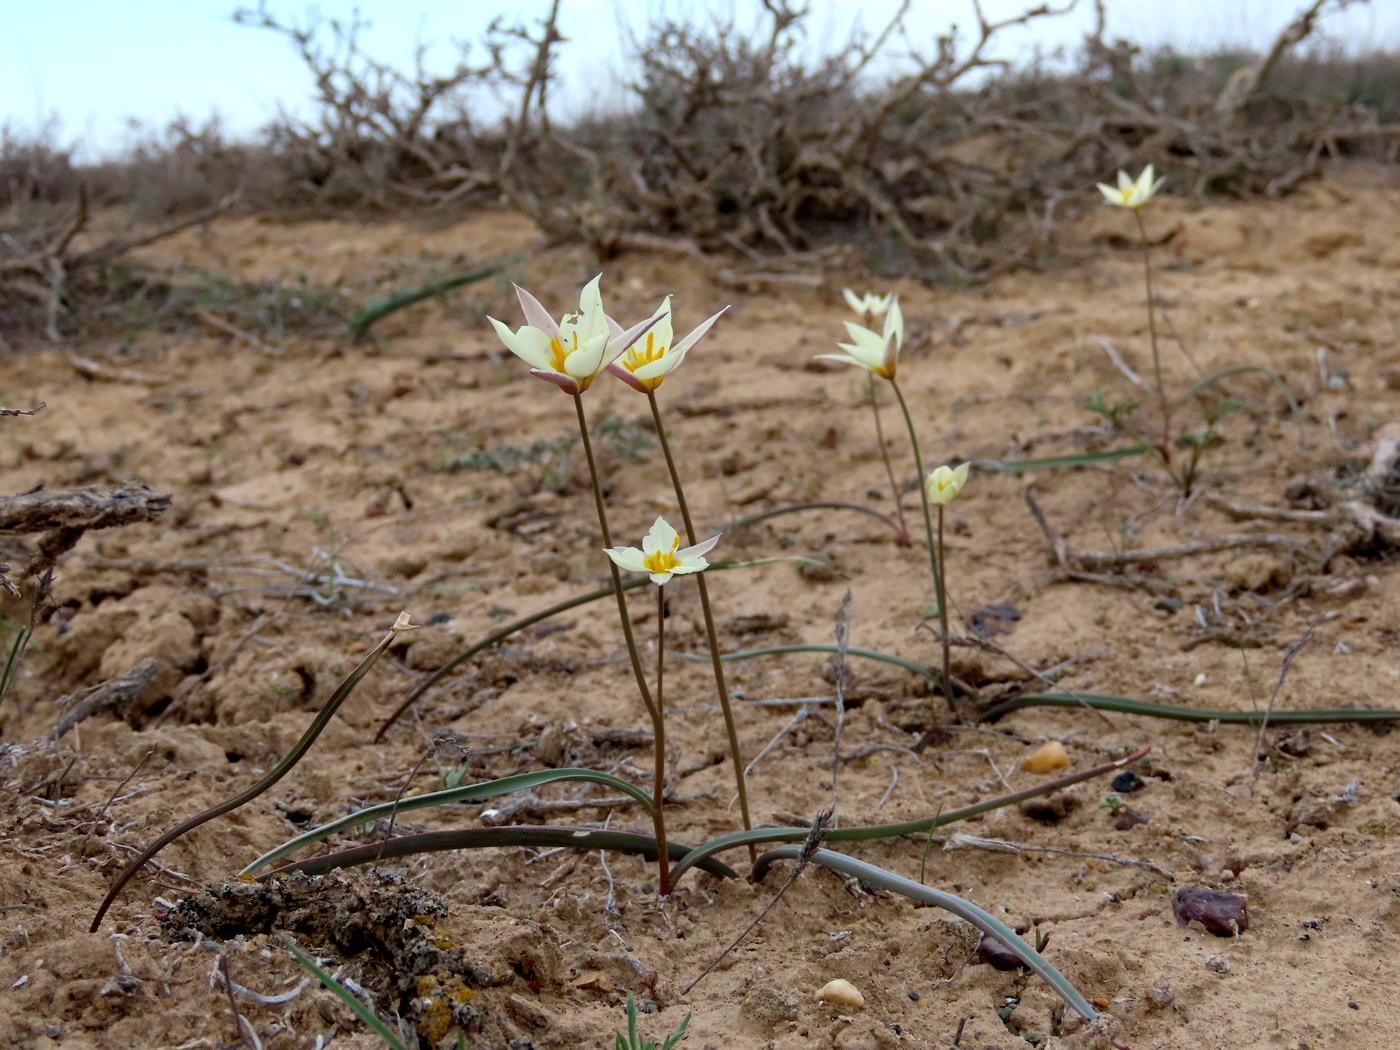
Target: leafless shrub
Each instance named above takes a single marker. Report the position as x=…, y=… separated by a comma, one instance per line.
x=378, y=136
x=734, y=145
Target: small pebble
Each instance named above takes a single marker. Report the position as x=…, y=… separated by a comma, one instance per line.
x=1046, y=758
x=1200, y=679
x=1160, y=998
x=1125, y=817
x=1126, y=782
x=842, y=993
x=1216, y=964
x=996, y=955
x=1223, y=914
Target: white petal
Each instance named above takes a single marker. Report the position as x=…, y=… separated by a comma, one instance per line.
x=529, y=344
x=535, y=314
x=1114, y=197
x=587, y=360
x=864, y=337
x=697, y=333
x=660, y=578
x=853, y=301
x=866, y=356
x=894, y=324
x=591, y=298
x=700, y=549
x=690, y=565
x=1124, y=183
x=628, y=558
x=662, y=536
x=841, y=359
x=661, y=366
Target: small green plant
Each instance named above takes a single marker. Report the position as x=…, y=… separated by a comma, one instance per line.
x=633, y=1040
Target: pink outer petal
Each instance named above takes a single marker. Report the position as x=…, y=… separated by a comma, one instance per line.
x=563, y=382
x=627, y=377
x=700, y=549
x=698, y=332
x=619, y=343
x=536, y=316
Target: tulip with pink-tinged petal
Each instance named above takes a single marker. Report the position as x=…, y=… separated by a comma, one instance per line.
x=574, y=351
x=656, y=355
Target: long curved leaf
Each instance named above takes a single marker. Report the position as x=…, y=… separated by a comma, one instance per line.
x=468, y=793
x=1081, y=459
x=1098, y=701
x=359, y=1009
x=295, y=755
x=793, y=508
x=963, y=909
x=479, y=838
x=760, y=836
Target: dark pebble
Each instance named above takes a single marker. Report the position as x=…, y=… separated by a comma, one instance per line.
x=1223, y=914
x=439, y=617
x=996, y=955
x=1168, y=604
x=1125, y=817
x=1126, y=782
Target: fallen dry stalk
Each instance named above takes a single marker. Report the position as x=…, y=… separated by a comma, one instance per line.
x=118, y=693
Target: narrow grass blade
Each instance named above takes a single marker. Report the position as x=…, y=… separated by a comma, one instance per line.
x=1127, y=706
x=467, y=793
x=761, y=836
x=1082, y=459
x=12, y=661
x=359, y=1009
x=483, y=838
x=381, y=307
x=282, y=768
x=1204, y=384
x=963, y=909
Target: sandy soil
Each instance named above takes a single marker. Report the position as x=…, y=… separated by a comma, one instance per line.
x=367, y=452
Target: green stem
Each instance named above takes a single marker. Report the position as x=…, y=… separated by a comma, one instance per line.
x=942, y=583
x=885, y=455
x=712, y=637
x=658, y=792
x=657, y=820
x=934, y=549
x=1152, y=334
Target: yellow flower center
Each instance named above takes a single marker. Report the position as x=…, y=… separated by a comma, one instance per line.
x=663, y=561
x=557, y=353
x=639, y=355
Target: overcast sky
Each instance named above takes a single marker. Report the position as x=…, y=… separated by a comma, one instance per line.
x=94, y=64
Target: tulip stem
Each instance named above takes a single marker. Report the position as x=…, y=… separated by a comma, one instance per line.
x=658, y=793
x=735, y=754
x=935, y=549
x=637, y=672
x=885, y=455
x=1152, y=335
